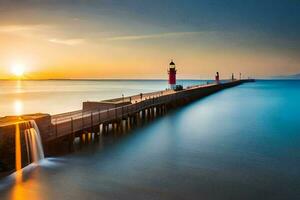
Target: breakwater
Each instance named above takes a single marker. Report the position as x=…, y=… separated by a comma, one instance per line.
x=114, y=116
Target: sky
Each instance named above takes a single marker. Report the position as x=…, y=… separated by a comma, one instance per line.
x=136, y=39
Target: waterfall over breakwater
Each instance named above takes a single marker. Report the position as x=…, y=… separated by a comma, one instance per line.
x=34, y=142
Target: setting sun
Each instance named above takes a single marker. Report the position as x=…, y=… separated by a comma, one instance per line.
x=18, y=69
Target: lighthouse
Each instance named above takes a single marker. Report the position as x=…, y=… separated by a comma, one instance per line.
x=217, y=78
x=172, y=75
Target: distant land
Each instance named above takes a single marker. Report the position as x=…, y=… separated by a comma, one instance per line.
x=292, y=76
x=100, y=79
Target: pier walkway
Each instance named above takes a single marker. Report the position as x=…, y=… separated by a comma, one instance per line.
x=127, y=107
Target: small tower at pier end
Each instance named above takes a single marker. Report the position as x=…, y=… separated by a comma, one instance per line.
x=172, y=75
x=217, y=78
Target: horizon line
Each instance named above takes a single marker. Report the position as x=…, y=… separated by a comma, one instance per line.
x=93, y=79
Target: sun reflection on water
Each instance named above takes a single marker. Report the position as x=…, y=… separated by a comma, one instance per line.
x=25, y=183
x=18, y=86
x=18, y=107
x=20, y=188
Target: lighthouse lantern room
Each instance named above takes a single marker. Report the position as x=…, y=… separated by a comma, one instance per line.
x=172, y=75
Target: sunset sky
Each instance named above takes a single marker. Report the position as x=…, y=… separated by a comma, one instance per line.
x=137, y=38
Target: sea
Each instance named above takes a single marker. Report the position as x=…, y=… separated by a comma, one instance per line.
x=19, y=97
x=239, y=143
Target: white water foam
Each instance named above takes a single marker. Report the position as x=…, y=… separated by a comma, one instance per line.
x=34, y=142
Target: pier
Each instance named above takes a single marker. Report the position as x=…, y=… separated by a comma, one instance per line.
x=96, y=119
x=121, y=114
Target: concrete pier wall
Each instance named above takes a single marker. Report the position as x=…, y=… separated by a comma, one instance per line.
x=8, y=134
x=92, y=105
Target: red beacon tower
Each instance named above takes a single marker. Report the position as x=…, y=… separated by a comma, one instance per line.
x=172, y=75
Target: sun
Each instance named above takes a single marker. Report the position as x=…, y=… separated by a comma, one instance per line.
x=18, y=69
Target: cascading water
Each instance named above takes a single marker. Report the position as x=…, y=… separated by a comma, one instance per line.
x=34, y=142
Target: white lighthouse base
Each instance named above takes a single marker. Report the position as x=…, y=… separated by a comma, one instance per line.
x=172, y=86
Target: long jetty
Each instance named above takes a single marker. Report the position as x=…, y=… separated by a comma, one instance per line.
x=106, y=117
x=122, y=113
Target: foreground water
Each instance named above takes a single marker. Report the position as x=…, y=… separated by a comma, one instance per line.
x=241, y=143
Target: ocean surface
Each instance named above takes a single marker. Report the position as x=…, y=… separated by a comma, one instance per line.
x=58, y=96
x=240, y=143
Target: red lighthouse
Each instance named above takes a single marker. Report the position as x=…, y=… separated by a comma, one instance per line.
x=172, y=75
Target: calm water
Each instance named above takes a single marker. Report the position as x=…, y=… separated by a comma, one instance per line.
x=53, y=97
x=241, y=143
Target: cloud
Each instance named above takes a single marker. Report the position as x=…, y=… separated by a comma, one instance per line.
x=36, y=31
x=21, y=28
x=41, y=32
x=151, y=36
x=70, y=42
x=13, y=28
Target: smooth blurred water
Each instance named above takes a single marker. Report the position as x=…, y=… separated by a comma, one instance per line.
x=241, y=143
x=57, y=96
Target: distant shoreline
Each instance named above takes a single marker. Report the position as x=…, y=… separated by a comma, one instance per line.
x=110, y=79
x=259, y=79
x=116, y=79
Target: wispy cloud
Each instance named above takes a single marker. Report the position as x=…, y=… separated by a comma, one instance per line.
x=13, y=28
x=21, y=28
x=41, y=32
x=70, y=42
x=151, y=36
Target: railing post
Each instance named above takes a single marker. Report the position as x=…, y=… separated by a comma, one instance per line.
x=56, y=128
x=92, y=123
x=82, y=121
x=72, y=125
x=99, y=115
x=71, y=136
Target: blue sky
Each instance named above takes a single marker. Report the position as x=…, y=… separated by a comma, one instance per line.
x=260, y=37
